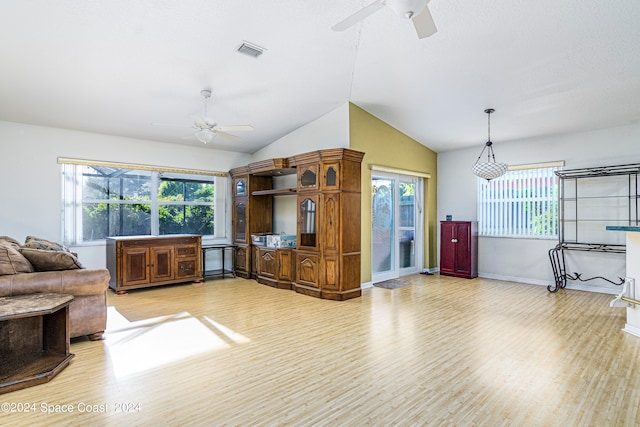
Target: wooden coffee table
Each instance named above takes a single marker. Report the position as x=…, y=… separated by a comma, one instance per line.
x=34, y=339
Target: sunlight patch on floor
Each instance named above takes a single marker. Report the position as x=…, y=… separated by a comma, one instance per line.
x=229, y=333
x=150, y=343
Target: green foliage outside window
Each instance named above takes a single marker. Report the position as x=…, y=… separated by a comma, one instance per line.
x=118, y=202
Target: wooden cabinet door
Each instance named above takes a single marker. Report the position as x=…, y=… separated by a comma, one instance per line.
x=330, y=176
x=308, y=221
x=242, y=260
x=331, y=273
x=307, y=269
x=255, y=257
x=240, y=220
x=162, y=263
x=447, y=247
x=267, y=265
x=240, y=186
x=136, y=266
x=331, y=221
x=285, y=265
x=308, y=177
x=463, y=248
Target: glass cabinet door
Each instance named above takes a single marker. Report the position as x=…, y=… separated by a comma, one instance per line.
x=308, y=177
x=330, y=176
x=241, y=222
x=241, y=187
x=308, y=222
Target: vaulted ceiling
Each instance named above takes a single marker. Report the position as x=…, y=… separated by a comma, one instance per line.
x=122, y=67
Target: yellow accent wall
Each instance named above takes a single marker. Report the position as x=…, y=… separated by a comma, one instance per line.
x=386, y=146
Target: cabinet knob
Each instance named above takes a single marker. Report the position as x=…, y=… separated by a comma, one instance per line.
x=454, y=240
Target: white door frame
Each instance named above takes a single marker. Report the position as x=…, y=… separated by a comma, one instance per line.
x=396, y=271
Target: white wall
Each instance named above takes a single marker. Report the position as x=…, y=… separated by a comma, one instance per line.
x=329, y=131
x=31, y=190
x=526, y=260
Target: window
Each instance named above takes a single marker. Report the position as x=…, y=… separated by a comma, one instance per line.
x=521, y=203
x=102, y=201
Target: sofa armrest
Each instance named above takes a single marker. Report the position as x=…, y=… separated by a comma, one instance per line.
x=73, y=282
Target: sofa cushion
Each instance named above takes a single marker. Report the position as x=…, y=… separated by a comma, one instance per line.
x=33, y=242
x=50, y=260
x=11, y=260
x=10, y=240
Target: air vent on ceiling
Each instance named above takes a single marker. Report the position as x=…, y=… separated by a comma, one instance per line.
x=250, y=49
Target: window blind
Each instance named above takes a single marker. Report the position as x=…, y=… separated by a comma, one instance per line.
x=521, y=203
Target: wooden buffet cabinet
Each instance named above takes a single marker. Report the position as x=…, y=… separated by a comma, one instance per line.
x=144, y=261
x=326, y=261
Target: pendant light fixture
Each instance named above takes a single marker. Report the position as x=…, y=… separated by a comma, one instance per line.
x=489, y=169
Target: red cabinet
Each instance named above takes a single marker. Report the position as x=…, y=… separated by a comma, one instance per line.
x=459, y=248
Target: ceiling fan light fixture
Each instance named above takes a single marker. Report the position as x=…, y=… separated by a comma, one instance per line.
x=490, y=169
x=407, y=8
x=414, y=10
x=205, y=135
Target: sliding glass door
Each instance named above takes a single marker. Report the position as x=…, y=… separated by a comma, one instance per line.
x=396, y=218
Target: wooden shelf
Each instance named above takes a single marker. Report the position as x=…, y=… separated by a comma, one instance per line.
x=34, y=339
x=275, y=192
x=271, y=167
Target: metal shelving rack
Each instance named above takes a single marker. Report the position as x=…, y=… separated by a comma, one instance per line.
x=578, y=229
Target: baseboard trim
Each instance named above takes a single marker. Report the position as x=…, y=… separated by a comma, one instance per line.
x=366, y=285
x=631, y=330
x=538, y=282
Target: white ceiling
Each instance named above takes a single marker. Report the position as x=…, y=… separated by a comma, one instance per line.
x=117, y=66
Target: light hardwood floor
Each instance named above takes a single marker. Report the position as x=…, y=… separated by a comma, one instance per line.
x=443, y=351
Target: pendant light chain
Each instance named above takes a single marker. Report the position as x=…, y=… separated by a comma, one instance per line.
x=489, y=130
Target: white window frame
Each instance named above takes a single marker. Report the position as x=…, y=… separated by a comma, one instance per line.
x=505, y=204
x=72, y=198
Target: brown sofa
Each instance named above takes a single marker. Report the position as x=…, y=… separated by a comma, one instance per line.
x=87, y=311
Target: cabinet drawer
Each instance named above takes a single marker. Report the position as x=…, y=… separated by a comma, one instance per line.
x=186, y=251
x=186, y=268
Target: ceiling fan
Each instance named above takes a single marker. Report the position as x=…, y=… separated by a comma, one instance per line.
x=416, y=10
x=206, y=129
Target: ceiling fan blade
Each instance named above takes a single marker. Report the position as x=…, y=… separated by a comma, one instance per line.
x=424, y=24
x=233, y=128
x=200, y=122
x=227, y=136
x=359, y=15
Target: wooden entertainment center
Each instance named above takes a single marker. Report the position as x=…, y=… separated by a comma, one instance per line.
x=326, y=260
